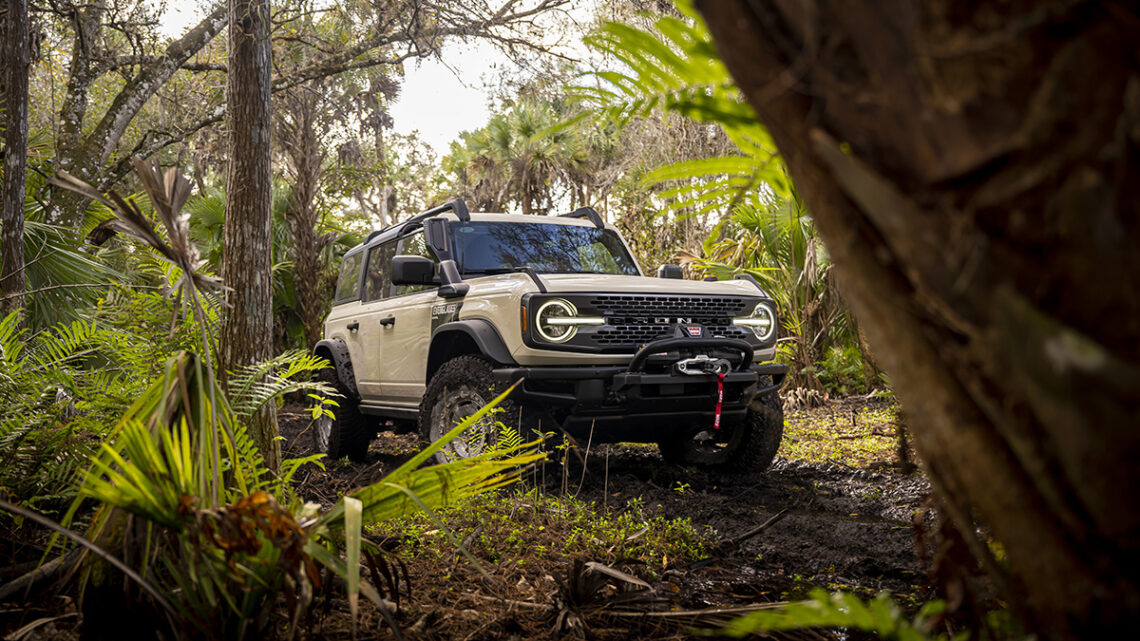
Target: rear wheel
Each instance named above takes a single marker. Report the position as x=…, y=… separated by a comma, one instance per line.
x=749, y=445
x=347, y=432
x=461, y=387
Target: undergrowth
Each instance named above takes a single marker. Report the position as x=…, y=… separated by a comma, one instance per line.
x=855, y=436
x=537, y=529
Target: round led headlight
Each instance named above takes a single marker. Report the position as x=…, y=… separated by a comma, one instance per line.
x=557, y=320
x=550, y=320
x=762, y=322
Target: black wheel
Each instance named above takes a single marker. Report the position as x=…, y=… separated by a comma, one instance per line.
x=461, y=387
x=348, y=432
x=749, y=445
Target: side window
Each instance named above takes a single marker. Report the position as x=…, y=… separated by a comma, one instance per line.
x=414, y=245
x=348, y=282
x=378, y=280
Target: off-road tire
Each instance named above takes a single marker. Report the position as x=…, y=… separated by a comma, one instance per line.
x=461, y=386
x=350, y=432
x=751, y=446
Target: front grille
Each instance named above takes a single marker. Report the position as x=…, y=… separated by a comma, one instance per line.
x=635, y=319
x=646, y=305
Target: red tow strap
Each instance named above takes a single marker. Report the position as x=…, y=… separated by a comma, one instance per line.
x=719, y=399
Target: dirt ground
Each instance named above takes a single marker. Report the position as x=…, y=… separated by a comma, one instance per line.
x=774, y=536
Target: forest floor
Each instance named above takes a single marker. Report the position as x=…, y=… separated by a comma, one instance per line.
x=837, y=514
x=618, y=544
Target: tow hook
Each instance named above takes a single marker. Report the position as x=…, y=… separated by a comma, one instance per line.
x=702, y=364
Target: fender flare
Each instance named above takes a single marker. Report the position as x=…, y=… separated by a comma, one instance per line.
x=481, y=332
x=336, y=351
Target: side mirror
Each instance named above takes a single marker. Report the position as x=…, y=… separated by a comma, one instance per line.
x=671, y=271
x=413, y=270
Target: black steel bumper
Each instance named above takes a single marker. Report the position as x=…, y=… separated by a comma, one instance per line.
x=639, y=401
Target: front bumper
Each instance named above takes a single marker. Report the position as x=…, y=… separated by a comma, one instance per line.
x=648, y=398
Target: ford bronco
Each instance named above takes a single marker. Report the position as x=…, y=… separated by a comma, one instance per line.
x=433, y=316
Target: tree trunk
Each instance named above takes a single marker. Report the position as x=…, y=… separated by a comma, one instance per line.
x=16, y=58
x=247, y=257
x=299, y=138
x=972, y=169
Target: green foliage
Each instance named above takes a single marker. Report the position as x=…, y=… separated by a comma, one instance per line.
x=880, y=616
x=843, y=371
x=223, y=536
x=62, y=387
x=674, y=67
x=527, y=157
x=853, y=436
x=507, y=527
x=254, y=386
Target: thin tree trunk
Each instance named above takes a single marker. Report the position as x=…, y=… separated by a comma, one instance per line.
x=971, y=168
x=247, y=257
x=16, y=58
x=299, y=139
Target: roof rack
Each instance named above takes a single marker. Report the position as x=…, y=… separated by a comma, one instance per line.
x=455, y=204
x=589, y=213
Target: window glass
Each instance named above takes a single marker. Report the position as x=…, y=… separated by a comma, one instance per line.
x=484, y=247
x=348, y=282
x=378, y=281
x=414, y=245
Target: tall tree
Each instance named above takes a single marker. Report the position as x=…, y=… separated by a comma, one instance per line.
x=247, y=256
x=16, y=57
x=971, y=167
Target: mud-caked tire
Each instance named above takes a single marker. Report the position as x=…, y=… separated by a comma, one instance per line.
x=461, y=387
x=348, y=432
x=749, y=445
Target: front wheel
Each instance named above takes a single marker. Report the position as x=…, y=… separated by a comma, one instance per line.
x=347, y=432
x=749, y=445
x=461, y=387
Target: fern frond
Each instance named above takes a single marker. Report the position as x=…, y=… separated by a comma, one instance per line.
x=251, y=387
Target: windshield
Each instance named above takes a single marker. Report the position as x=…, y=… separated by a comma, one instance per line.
x=491, y=248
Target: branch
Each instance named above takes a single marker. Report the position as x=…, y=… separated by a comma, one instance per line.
x=150, y=78
x=349, y=59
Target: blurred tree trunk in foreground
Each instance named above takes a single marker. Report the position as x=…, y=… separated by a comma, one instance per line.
x=973, y=169
x=16, y=56
x=247, y=257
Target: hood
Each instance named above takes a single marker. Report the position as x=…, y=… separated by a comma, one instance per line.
x=646, y=285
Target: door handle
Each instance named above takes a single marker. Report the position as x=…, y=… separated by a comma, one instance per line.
x=353, y=326
x=391, y=320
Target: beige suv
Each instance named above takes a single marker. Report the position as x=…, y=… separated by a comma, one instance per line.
x=435, y=315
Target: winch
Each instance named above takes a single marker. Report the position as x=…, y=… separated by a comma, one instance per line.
x=702, y=364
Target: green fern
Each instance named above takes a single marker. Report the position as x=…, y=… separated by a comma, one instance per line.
x=252, y=387
x=880, y=616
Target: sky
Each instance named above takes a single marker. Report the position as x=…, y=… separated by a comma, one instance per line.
x=440, y=97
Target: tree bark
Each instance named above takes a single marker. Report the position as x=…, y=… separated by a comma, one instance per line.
x=299, y=138
x=247, y=255
x=971, y=169
x=16, y=58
